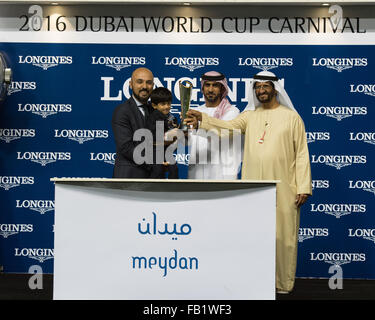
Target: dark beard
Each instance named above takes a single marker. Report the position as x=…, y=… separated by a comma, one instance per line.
x=142, y=100
x=269, y=97
x=212, y=100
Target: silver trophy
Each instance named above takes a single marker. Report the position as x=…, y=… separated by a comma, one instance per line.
x=185, y=96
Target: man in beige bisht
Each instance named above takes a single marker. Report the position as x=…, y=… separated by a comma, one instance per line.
x=275, y=149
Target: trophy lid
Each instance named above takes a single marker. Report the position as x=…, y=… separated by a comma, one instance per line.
x=186, y=84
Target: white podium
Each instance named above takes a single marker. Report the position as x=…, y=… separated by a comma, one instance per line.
x=135, y=239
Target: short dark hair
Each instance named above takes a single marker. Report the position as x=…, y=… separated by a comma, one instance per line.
x=161, y=94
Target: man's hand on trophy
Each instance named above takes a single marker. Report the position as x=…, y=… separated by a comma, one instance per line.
x=192, y=118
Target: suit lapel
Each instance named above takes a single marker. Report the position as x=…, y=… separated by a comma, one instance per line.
x=137, y=113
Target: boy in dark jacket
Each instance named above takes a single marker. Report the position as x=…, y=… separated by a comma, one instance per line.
x=161, y=99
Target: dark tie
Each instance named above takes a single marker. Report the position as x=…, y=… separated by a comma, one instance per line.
x=145, y=110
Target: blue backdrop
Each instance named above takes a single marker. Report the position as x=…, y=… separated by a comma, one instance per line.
x=56, y=122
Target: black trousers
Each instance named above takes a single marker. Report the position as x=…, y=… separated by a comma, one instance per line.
x=159, y=171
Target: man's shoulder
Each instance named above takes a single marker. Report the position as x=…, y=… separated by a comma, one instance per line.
x=199, y=108
x=203, y=108
x=290, y=112
x=127, y=102
x=291, y=115
x=124, y=110
x=124, y=105
x=234, y=108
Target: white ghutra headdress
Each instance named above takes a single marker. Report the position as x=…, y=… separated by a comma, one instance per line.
x=265, y=76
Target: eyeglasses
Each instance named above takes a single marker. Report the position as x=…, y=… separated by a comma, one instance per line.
x=263, y=86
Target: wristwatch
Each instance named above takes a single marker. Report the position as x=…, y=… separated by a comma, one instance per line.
x=5, y=77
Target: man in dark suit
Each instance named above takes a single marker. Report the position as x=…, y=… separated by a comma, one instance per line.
x=127, y=118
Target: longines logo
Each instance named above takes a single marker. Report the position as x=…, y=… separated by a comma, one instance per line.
x=191, y=63
x=7, y=230
x=309, y=233
x=9, y=135
x=103, y=156
x=320, y=184
x=317, y=136
x=368, y=89
x=17, y=86
x=118, y=63
x=43, y=158
x=45, y=62
x=41, y=206
x=339, y=64
x=338, y=161
x=44, y=109
x=368, y=234
x=81, y=135
x=337, y=258
x=365, y=185
x=39, y=254
x=338, y=209
x=368, y=137
x=116, y=92
x=182, y=158
x=339, y=112
x=8, y=182
x=265, y=64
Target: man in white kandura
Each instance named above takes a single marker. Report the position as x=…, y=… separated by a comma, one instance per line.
x=211, y=158
x=275, y=149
